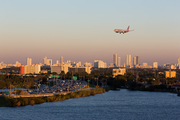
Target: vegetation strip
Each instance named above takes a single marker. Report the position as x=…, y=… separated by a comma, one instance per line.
x=17, y=102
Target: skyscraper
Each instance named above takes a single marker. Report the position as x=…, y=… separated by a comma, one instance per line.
x=45, y=60
x=61, y=60
x=136, y=60
x=179, y=62
x=49, y=62
x=119, y=61
x=29, y=61
x=115, y=60
x=128, y=61
x=155, y=64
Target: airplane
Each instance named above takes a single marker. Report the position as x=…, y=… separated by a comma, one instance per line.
x=122, y=31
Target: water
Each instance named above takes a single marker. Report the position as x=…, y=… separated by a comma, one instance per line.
x=112, y=105
x=13, y=89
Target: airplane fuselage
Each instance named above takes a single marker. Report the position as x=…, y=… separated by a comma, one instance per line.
x=121, y=31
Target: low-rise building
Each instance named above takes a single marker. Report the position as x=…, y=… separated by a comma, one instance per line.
x=30, y=69
x=80, y=69
x=170, y=74
x=119, y=71
x=58, y=69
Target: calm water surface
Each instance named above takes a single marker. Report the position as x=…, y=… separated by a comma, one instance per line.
x=112, y=105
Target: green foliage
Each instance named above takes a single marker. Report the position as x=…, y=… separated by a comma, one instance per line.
x=8, y=101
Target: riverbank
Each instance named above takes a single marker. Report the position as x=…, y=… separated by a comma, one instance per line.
x=17, y=102
x=154, y=88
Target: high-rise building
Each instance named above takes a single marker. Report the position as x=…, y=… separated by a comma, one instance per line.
x=17, y=64
x=78, y=64
x=45, y=60
x=30, y=69
x=57, y=62
x=119, y=61
x=136, y=60
x=115, y=60
x=29, y=61
x=88, y=64
x=61, y=60
x=155, y=64
x=100, y=64
x=179, y=61
x=128, y=61
x=49, y=62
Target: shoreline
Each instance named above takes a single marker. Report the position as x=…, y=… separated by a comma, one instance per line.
x=7, y=101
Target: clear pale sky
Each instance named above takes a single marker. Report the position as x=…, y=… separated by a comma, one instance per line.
x=81, y=30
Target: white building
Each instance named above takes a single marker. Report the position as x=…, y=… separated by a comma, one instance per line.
x=47, y=61
x=119, y=61
x=88, y=64
x=37, y=69
x=29, y=61
x=100, y=64
x=155, y=64
x=128, y=61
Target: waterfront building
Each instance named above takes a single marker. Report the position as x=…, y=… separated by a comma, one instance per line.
x=100, y=64
x=119, y=71
x=115, y=60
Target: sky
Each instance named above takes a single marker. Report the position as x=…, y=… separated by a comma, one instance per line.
x=83, y=31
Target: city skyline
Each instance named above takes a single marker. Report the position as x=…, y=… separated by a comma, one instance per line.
x=129, y=61
x=83, y=30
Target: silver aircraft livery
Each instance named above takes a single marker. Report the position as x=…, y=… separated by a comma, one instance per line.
x=122, y=31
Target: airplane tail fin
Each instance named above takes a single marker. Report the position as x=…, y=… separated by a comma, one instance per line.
x=128, y=28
